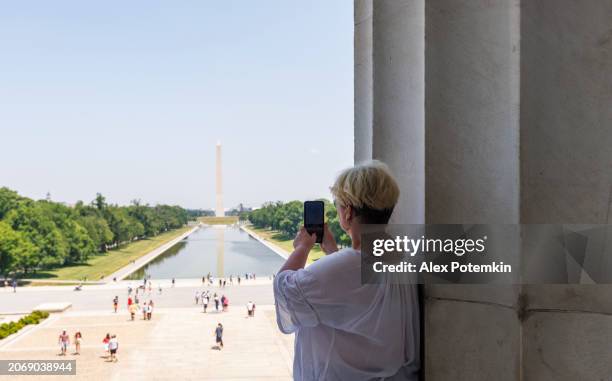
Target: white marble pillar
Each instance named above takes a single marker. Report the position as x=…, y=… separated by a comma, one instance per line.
x=472, y=176
x=566, y=176
x=363, y=79
x=398, y=72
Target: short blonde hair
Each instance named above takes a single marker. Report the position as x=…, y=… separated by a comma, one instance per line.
x=368, y=185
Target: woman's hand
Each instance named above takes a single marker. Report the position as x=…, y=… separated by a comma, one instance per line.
x=329, y=242
x=302, y=243
x=304, y=240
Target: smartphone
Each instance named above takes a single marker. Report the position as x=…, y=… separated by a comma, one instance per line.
x=314, y=218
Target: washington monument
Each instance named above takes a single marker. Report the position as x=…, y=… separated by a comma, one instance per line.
x=219, y=212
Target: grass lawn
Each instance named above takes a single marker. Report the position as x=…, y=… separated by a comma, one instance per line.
x=113, y=260
x=229, y=220
x=40, y=283
x=285, y=243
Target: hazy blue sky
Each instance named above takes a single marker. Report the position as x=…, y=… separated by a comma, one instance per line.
x=129, y=98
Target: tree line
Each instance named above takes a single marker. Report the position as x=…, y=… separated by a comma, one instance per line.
x=286, y=218
x=42, y=234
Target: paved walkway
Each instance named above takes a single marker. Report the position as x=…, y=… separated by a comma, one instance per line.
x=178, y=344
x=99, y=297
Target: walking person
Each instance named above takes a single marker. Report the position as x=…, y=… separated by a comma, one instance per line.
x=225, y=303
x=216, y=299
x=113, y=346
x=173, y=281
x=64, y=341
x=144, y=311
x=253, y=310
x=14, y=285
x=133, y=308
x=219, y=336
x=150, y=310
x=115, y=303
x=249, y=308
x=105, y=342
x=205, y=301
x=197, y=297
x=78, y=339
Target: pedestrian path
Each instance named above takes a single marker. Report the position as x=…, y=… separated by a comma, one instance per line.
x=177, y=344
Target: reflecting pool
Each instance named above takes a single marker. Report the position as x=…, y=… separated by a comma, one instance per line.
x=219, y=250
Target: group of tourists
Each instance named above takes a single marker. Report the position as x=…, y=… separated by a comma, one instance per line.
x=64, y=342
x=110, y=344
x=133, y=306
x=204, y=297
x=222, y=282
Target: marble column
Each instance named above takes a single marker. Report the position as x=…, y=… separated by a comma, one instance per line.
x=495, y=111
x=398, y=132
x=472, y=176
x=566, y=176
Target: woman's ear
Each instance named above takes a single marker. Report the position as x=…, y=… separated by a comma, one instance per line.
x=348, y=214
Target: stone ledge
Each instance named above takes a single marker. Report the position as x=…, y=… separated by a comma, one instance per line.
x=53, y=307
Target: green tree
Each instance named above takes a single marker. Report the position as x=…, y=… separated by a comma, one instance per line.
x=15, y=250
x=39, y=229
x=8, y=200
x=98, y=230
x=286, y=218
x=100, y=202
x=53, y=234
x=79, y=244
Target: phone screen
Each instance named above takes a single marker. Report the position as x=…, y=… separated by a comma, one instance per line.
x=314, y=216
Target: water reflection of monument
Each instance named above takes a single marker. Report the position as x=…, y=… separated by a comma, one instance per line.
x=220, y=233
x=219, y=211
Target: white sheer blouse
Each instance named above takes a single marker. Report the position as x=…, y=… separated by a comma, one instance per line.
x=345, y=330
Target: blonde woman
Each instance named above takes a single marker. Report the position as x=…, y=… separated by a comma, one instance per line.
x=345, y=330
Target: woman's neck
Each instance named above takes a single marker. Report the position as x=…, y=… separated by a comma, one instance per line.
x=355, y=234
